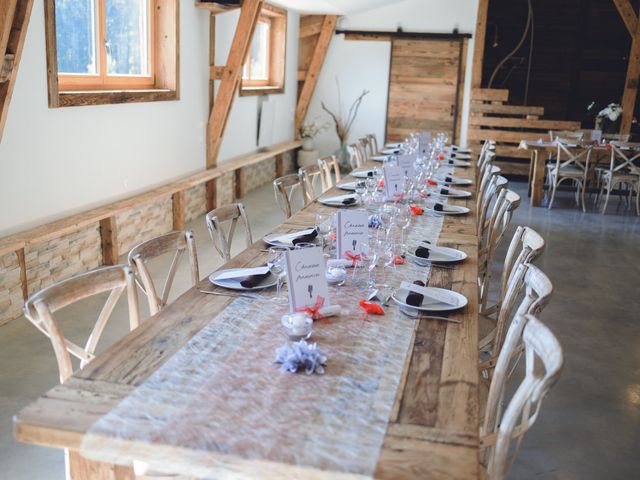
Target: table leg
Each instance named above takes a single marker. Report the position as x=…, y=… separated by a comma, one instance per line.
x=537, y=182
x=530, y=179
x=80, y=468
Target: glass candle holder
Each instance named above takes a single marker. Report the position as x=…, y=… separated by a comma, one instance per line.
x=298, y=325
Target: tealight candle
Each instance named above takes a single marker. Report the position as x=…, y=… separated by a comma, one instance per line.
x=297, y=324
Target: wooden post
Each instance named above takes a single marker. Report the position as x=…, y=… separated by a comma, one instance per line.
x=210, y=194
x=23, y=274
x=311, y=77
x=230, y=79
x=279, y=165
x=628, y=103
x=478, y=46
x=109, y=236
x=239, y=183
x=177, y=202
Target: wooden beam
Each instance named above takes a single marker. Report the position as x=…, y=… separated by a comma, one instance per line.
x=7, y=11
x=212, y=57
x=631, y=84
x=240, y=187
x=478, y=46
x=229, y=83
x=279, y=165
x=23, y=274
x=177, y=206
x=210, y=194
x=628, y=15
x=14, y=45
x=109, y=236
x=311, y=78
x=216, y=73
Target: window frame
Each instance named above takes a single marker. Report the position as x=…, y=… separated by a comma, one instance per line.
x=277, y=17
x=161, y=84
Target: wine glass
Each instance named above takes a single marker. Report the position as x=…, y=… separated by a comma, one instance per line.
x=404, y=221
x=361, y=188
x=276, y=262
x=324, y=222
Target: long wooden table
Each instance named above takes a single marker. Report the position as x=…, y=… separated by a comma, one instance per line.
x=433, y=429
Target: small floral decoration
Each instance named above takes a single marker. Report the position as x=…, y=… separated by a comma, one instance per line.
x=374, y=221
x=294, y=356
x=312, y=129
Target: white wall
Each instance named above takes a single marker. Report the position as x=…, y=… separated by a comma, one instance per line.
x=54, y=162
x=365, y=64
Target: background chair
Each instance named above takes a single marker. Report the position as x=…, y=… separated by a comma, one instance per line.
x=217, y=218
x=624, y=169
x=502, y=433
x=178, y=242
x=331, y=167
x=314, y=181
x=373, y=144
x=356, y=158
x=285, y=189
x=574, y=167
x=41, y=306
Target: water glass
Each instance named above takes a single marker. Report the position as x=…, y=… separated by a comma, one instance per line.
x=276, y=263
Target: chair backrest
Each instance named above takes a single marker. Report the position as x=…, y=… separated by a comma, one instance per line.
x=285, y=189
x=330, y=167
x=496, y=183
x=177, y=242
x=578, y=158
x=39, y=309
x=625, y=157
x=314, y=181
x=373, y=144
x=355, y=157
x=575, y=136
x=502, y=432
x=487, y=146
x=363, y=145
x=486, y=162
x=216, y=219
x=616, y=137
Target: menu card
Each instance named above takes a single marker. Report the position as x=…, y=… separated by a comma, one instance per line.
x=352, y=232
x=406, y=163
x=424, y=138
x=306, y=277
x=393, y=181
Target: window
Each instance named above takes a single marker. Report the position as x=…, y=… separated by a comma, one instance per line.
x=263, y=71
x=116, y=50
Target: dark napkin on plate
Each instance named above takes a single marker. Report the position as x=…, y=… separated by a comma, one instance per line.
x=453, y=155
x=370, y=173
x=422, y=252
x=438, y=207
x=309, y=237
x=444, y=191
x=415, y=299
x=348, y=201
x=448, y=179
x=451, y=162
x=252, y=281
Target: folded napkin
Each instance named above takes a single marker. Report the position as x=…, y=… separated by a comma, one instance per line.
x=251, y=281
x=422, y=252
x=425, y=249
x=414, y=298
x=430, y=294
x=348, y=201
x=309, y=237
x=438, y=207
x=344, y=199
x=444, y=191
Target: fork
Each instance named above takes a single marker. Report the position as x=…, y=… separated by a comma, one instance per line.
x=412, y=314
x=253, y=296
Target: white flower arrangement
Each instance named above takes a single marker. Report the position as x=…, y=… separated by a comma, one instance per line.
x=612, y=112
x=312, y=129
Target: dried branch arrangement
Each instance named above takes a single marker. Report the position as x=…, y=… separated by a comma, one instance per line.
x=344, y=120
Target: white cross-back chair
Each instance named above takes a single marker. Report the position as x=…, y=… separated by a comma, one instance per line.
x=356, y=157
x=624, y=169
x=217, y=219
x=314, y=180
x=331, y=169
x=575, y=136
x=486, y=156
x=506, y=203
x=177, y=242
x=494, y=185
x=537, y=293
x=41, y=306
x=572, y=164
x=502, y=430
x=285, y=189
x=373, y=144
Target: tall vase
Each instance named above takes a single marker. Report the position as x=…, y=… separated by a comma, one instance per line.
x=343, y=158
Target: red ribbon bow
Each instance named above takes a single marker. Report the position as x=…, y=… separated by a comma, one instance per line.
x=416, y=210
x=355, y=258
x=432, y=182
x=371, y=308
x=398, y=260
x=314, y=312
x=381, y=183
x=441, y=157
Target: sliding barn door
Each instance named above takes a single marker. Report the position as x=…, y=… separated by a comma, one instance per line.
x=425, y=87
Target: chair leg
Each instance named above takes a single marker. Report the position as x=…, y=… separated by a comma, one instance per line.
x=553, y=192
x=584, y=187
x=607, y=185
x=638, y=198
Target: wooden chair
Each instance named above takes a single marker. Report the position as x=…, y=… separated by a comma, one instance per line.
x=216, y=219
x=373, y=144
x=616, y=137
x=572, y=136
x=356, y=159
x=574, y=167
x=177, y=242
x=314, y=181
x=624, y=169
x=501, y=432
x=506, y=203
x=330, y=167
x=285, y=189
x=41, y=306
x=538, y=289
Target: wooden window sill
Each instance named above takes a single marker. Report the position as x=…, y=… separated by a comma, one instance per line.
x=106, y=97
x=268, y=90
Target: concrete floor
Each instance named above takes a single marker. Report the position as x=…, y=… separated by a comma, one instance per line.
x=589, y=427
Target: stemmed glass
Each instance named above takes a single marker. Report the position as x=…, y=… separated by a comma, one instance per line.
x=361, y=188
x=324, y=222
x=404, y=221
x=276, y=262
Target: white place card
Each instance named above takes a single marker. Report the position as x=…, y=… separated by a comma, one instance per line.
x=431, y=295
x=352, y=232
x=424, y=138
x=306, y=277
x=407, y=163
x=393, y=181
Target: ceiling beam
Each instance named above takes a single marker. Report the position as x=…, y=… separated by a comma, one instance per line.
x=311, y=77
x=631, y=83
x=628, y=14
x=230, y=80
x=478, y=46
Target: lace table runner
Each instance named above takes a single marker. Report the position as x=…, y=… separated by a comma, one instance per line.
x=221, y=407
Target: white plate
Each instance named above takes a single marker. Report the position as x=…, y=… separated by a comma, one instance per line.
x=454, y=181
x=347, y=186
x=453, y=193
x=234, y=283
x=452, y=255
x=360, y=173
x=450, y=210
x=393, y=145
x=400, y=297
x=452, y=162
x=391, y=151
x=272, y=239
x=379, y=158
x=336, y=201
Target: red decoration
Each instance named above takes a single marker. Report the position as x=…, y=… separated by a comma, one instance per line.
x=416, y=210
x=380, y=183
x=355, y=258
x=432, y=182
x=398, y=260
x=371, y=308
x=314, y=311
